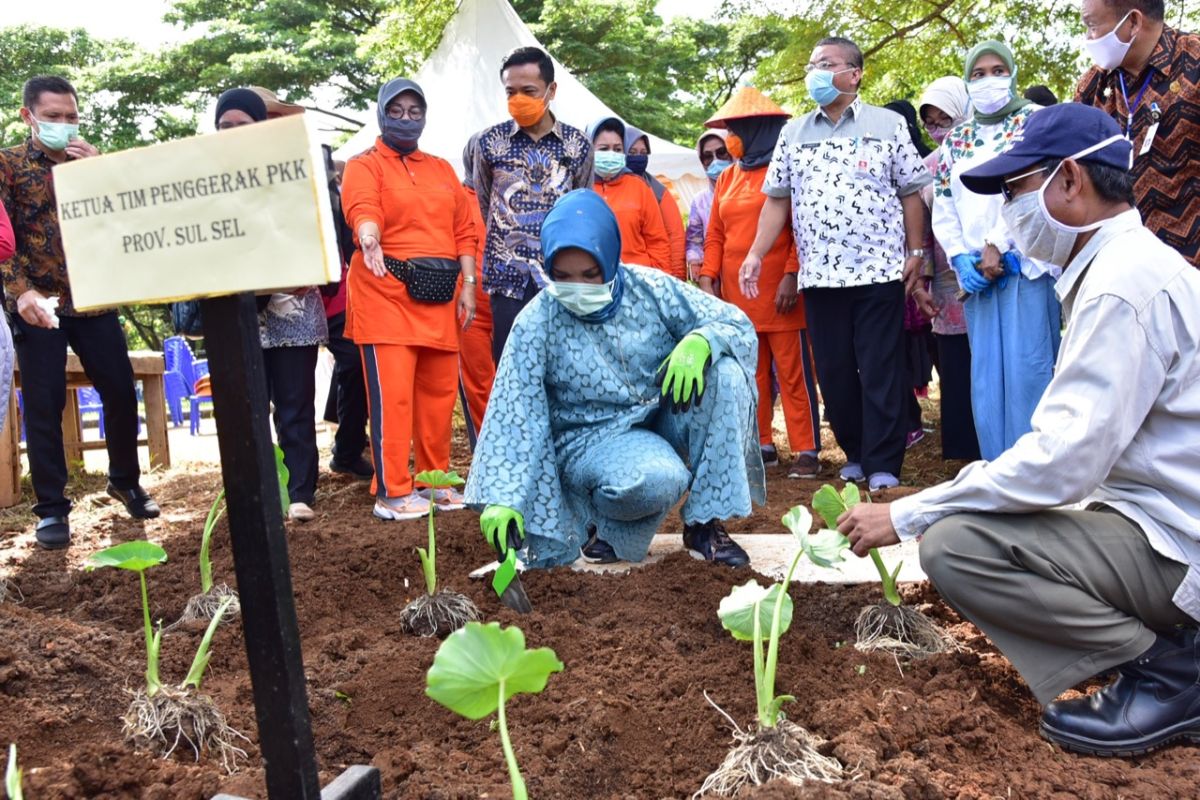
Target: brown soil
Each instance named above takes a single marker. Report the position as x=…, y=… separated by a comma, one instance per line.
x=626, y=719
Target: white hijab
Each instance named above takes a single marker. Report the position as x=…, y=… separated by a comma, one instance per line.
x=950, y=95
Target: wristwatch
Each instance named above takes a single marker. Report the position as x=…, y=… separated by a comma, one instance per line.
x=917, y=252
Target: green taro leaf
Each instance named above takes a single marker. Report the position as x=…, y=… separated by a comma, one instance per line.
x=850, y=495
x=823, y=548
x=134, y=556
x=798, y=520
x=475, y=660
x=437, y=479
x=736, y=610
x=282, y=474
x=829, y=504
x=12, y=775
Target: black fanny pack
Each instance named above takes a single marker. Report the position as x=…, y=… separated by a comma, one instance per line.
x=429, y=280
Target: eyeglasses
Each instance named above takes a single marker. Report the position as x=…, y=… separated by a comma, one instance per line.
x=825, y=65
x=1006, y=190
x=415, y=113
x=707, y=157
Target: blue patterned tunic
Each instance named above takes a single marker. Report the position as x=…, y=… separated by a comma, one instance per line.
x=575, y=434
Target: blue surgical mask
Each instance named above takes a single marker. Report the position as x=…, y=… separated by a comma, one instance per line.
x=637, y=164
x=402, y=135
x=56, y=135
x=582, y=299
x=716, y=168
x=820, y=86
x=609, y=163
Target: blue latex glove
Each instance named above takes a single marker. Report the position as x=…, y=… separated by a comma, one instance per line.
x=966, y=266
x=1012, y=266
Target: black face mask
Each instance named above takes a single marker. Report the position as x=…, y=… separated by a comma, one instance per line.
x=402, y=135
x=637, y=164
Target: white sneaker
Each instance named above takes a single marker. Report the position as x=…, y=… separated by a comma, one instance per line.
x=882, y=480
x=410, y=506
x=300, y=512
x=448, y=499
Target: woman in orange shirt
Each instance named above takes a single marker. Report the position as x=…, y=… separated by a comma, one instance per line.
x=643, y=236
x=754, y=123
x=412, y=221
x=637, y=159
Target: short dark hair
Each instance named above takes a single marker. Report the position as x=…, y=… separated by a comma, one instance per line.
x=1153, y=9
x=854, y=55
x=530, y=55
x=1041, y=95
x=1112, y=184
x=611, y=125
x=35, y=87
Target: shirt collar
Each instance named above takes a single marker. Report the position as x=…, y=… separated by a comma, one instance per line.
x=853, y=109
x=556, y=130
x=1163, y=57
x=1106, y=233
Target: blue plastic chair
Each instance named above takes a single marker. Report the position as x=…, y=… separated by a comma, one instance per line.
x=179, y=380
x=195, y=401
x=90, y=403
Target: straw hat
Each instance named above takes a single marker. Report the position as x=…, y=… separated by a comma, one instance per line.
x=275, y=106
x=747, y=102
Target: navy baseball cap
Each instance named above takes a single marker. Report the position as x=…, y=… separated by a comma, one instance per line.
x=1060, y=131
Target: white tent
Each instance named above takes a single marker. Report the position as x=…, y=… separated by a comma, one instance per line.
x=462, y=81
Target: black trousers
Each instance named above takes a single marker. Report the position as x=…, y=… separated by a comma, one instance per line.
x=504, y=311
x=347, y=401
x=292, y=387
x=958, y=422
x=42, y=354
x=857, y=337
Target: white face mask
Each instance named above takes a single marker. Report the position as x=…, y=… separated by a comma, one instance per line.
x=1109, y=51
x=990, y=94
x=1035, y=230
x=581, y=299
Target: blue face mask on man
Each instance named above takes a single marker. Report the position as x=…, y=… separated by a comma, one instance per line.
x=56, y=135
x=820, y=86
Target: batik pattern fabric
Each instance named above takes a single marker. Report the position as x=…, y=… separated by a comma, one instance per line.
x=27, y=193
x=293, y=320
x=1167, y=177
x=845, y=181
x=577, y=435
x=519, y=182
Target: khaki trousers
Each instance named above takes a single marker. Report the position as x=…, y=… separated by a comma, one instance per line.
x=1065, y=595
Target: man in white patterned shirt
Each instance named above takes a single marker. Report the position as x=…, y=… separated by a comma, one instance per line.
x=1067, y=594
x=850, y=179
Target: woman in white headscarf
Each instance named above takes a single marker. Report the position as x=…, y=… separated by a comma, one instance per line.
x=944, y=105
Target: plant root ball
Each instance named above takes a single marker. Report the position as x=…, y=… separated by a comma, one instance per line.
x=159, y=723
x=438, y=615
x=901, y=631
x=10, y=592
x=203, y=607
x=787, y=752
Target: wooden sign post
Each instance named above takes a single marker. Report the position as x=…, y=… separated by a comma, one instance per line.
x=220, y=217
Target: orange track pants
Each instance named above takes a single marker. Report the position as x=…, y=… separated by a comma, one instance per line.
x=410, y=395
x=476, y=368
x=794, y=371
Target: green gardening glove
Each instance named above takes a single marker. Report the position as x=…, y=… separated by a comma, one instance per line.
x=495, y=523
x=683, y=378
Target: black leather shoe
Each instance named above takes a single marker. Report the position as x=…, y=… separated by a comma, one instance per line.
x=710, y=542
x=138, y=502
x=53, y=533
x=1154, y=701
x=359, y=468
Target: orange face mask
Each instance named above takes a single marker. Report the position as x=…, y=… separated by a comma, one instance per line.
x=526, y=110
x=733, y=143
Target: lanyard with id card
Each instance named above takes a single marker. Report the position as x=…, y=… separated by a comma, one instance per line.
x=1148, y=142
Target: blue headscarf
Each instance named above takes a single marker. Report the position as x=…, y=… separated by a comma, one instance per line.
x=581, y=219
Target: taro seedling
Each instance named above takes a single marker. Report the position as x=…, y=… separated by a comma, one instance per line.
x=12, y=776
x=160, y=717
x=204, y=606
x=890, y=626
x=776, y=747
x=478, y=668
x=436, y=613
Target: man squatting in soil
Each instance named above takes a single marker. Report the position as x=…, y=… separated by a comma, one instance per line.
x=1069, y=594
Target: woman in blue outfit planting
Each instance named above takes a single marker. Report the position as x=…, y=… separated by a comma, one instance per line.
x=621, y=389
